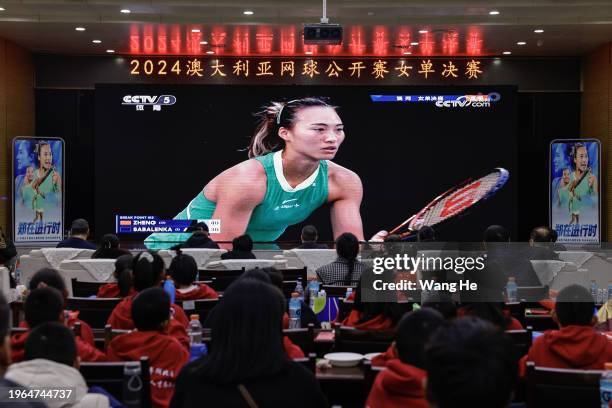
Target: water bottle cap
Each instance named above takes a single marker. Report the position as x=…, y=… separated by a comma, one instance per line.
x=608, y=366
x=295, y=295
x=511, y=278
x=194, y=317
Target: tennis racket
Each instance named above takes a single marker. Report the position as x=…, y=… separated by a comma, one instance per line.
x=454, y=202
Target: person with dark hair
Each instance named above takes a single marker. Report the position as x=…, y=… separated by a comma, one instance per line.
x=184, y=272
x=51, y=361
x=576, y=344
x=492, y=312
x=401, y=384
x=346, y=269
x=151, y=315
x=49, y=277
x=541, y=244
x=148, y=272
x=268, y=275
x=289, y=175
x=8, y=252
x=42, y=305
x=200, y=238
x=426, y=234
x=470, y=364
x=380, y=316
x=309, y=238
x=79, y=231
x=246, y=365
x=109, y=248
x=123, y=276
x=448, y=309
x=242, y=248
x=5, y=361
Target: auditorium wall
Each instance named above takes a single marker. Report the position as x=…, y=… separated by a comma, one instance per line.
x=597, y=117
x=16, y=113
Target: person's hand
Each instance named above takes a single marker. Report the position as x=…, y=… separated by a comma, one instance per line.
x=591, y=180
x=379, y=236
x=55, y=177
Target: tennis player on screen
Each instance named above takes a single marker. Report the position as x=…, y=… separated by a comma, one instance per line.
x=288, y=176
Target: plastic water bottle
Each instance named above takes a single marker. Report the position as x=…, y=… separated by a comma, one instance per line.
x=594, y=288
x=313, y=290
x=132, y=385
x=194, y=330
x=511, y=290
x=295, y=311
x=605, y=386
x=349, y=292
x=169, y=289
x=299, y=289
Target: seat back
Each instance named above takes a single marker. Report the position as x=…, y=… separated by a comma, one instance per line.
x=309, y=362
x=522, y=340
x=110, y=377
x=552, y=387
x=85, y=289
x=531, y=293
x=201, y=307
x=303, y=337
x=294, y=274
x=336, y=290
x=541, y=322
x=93, y=311
x=362, y=341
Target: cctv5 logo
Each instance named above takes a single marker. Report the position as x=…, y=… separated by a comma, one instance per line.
x=475, y=101
x=149, y=100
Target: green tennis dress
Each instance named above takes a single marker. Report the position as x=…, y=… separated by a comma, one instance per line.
x=581, y=191
x=281, y=207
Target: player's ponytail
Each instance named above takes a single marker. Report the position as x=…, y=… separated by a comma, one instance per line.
x=274, y=116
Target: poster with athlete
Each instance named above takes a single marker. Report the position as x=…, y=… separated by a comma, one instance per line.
x=38, y=194
x=574, y=190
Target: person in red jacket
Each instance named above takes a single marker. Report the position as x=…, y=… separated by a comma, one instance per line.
x=491, y=312
x=51, y=277
x=380, y=316
x=123, y=276
x=401, y=384
x=47, y=305
x=147, y=272
x=576, y=344
x=151, y=316
x=184, y=270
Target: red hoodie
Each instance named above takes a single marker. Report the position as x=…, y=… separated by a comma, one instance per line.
x=577, y=347
x=400, y=385
x=382, y=359
x=121, y=317
x=87, y=352
x=380, y=322
x=73, y=317
x=202, y=291
x=292, y=350
x=166, y=358
x=111, y=290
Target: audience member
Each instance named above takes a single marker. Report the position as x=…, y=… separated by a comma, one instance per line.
x=381, y=316
x=123, y=276
x=309, y=238
x=51, y=361
x=109, y=248
x=7, y=255
x=242, y=248
x=151, y=315
x=79, y=231
x=51, y=277
x=200, y=238
x=492, y=312
x=401, y=384
x=540, y=244
x=576, y=344
x=346, y=269
x=148, y=272
x=470, y=364
x=47, y=305
x=246, y=365
x=5, y=361
x=184, y=272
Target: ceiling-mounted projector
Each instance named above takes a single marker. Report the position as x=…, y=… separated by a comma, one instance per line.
x=323, y=33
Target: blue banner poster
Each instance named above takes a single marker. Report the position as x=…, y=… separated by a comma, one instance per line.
x=575, y=190
x=38, y=190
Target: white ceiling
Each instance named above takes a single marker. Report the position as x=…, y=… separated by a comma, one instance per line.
x=572, y=27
